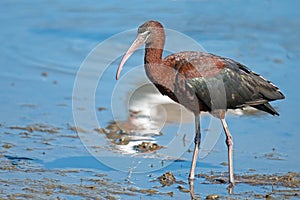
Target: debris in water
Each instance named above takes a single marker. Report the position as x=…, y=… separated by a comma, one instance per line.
x=183, y=189
x=147, y=146
x=167, y=179
x=77, y=129
x=45, y=74
x=37, y=127
x=212, y=197
x=101, y=109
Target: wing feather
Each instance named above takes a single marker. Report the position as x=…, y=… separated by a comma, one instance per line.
x=222, y=83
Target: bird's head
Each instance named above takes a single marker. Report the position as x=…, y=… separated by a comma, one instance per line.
x=149, y=30
x=147, y=34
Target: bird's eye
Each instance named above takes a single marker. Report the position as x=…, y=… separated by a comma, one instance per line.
x=146, y=33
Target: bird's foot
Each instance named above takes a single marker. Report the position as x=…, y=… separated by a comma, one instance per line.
x=192, y=192
x=230, y=187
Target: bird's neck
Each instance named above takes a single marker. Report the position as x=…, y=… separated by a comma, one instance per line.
x=154, y=48
x=159, y=72
x=153, y=55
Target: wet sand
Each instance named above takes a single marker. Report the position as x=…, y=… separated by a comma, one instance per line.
x=28, y=177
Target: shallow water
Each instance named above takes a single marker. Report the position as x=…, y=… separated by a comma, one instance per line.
x=42, y=48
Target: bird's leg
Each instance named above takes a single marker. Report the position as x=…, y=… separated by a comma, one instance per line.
x=192, y=192
x=229, y=143
x=196, y=148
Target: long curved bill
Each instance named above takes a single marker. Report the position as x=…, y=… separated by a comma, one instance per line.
x=139, y=41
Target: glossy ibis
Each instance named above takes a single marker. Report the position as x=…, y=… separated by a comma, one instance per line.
x=202, y=82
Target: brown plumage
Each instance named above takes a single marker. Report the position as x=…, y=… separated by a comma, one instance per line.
x=202, y=82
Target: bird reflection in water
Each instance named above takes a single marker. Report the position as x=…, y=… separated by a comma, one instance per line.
x=148, y=113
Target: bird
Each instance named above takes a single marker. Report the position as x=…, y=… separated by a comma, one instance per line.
x=202, y=82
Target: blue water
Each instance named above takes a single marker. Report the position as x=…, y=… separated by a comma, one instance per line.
x=56, y=36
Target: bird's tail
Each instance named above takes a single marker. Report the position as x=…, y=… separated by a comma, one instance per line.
x=267, y=108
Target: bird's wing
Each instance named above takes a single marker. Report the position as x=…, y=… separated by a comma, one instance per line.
x=222, y=83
